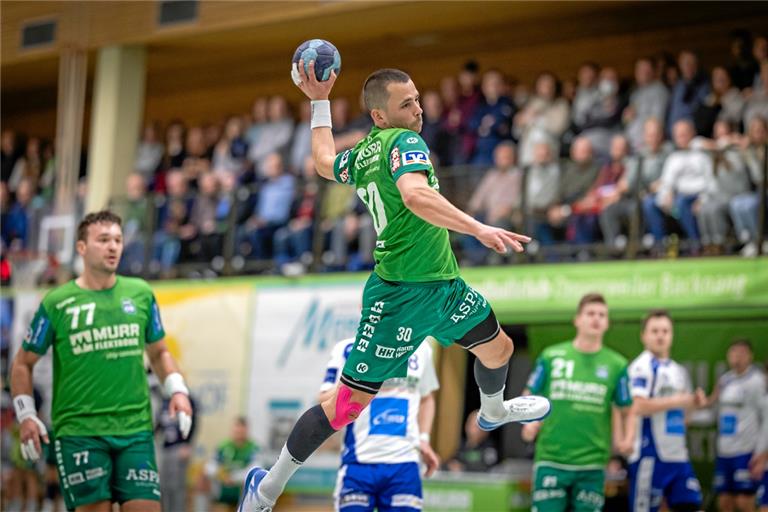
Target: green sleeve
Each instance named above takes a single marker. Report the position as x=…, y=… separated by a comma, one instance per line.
x=40, y=334
x=621, y=394
x=409, y=153
x=155, y=331
x=342, y=167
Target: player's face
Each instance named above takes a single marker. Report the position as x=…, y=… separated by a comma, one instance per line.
x=102, y=248
x=739, y=358
x=657, y=336
x=592, y=320
x=403, y=106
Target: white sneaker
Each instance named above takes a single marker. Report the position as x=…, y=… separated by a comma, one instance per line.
x=252, y=501
x=523, y=409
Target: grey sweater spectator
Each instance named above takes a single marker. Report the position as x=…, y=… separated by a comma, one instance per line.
x=544, y=118
x=229, y=153
x=149, y=153
x=301, y=145
x=648, y=100
x=587, y=99
x=274, y=136
x=689, y=91
x=579, y=174
x=757, y=105
x=730, y=178
x=258, y=120
x=542, y=182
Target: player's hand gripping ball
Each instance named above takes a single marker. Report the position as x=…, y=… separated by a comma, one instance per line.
x=327, y=59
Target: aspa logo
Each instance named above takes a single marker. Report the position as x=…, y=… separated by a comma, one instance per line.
x=371, y=149
x=143, y=475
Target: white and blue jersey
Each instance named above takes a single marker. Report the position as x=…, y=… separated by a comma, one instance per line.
x=380, y=452
x=659, y=464
x=740, y=429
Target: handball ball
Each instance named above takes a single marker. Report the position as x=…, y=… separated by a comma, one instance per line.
x=325, y=55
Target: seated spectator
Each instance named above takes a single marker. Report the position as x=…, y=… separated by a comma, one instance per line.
x=467, y=102
x=8, y=154
x=730, y=179
x=604, y=120
x=17, y=224
x=134, y=212
x=301, y=145
x=433, y=132
x=494, y=200
x=542, y=187
x=345, y=135
x=172, y=215
x=648, y=101
x=743, y=63
x=640, y=179
x=259, y=119
x=543, y=119
x=684, y=177
x=197, y=160
x=274, y=136
x=223, y=476
x=744, y=207
x=760, y=53
x=587, y=96
x=29, y=166
x=723, y=102
x=492, y=119
x=578, y=176
x=294, y=241
x=757, y=104
x=603, y=192
x=477, y=452
x=688, y=92
x=230, y=152
x=149, y=153
x=273, y=207
x=201, y=237
x=174, y=145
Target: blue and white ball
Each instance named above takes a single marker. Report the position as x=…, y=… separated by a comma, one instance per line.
x=327, y=59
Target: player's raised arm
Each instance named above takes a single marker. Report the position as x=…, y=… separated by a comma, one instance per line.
x=323, y=147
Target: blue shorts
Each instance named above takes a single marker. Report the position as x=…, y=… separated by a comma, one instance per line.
x=651, y=480
x=732, y=475
x=384, y=487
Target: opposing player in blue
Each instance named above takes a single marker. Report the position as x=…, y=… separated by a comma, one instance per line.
x=415, y=289
x=661, y=392
x=739, y=395
x=382, y=450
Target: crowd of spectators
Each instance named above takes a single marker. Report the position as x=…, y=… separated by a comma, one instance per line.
x=677, y=151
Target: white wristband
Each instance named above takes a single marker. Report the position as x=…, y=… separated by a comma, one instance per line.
x=24, y=405
x=321, y=114
x=424, y=437
x=174, y=383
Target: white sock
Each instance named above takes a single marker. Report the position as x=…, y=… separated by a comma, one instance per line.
x=492, y=406
x=273, y=484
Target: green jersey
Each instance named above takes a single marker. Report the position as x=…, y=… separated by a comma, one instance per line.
x=408, y=248
x=98, y=339
x=581, y=387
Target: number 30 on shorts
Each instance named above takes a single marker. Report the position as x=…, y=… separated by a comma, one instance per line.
x=404, y=334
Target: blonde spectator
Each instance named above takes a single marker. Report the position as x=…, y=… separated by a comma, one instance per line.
x=544, y=118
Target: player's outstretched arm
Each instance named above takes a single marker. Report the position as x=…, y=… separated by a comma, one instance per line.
x=323, y=146
x=428, y=204
x=32, y=429
x=167, y=371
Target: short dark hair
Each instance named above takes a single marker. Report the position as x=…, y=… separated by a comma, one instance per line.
x=743, y=342
x=103, y=216
x=375, y=93
x=655, y=313
x=591, y=298
x=242, y=421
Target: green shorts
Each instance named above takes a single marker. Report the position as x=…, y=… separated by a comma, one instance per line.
x=396, y=317
x=112, y=468
x=558, y=490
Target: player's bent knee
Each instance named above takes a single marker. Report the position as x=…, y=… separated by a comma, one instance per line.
x=346, y=410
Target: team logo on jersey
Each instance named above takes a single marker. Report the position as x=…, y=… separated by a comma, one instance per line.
x=129, y=307
x=344, y=175
x=343, y=167
x=411, y=140
x=385, y=352
x=361, y=368
x=394, y=159
x=602, y=372
x=415, y=157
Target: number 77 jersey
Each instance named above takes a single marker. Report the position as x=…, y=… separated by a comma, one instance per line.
x=408, y=248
